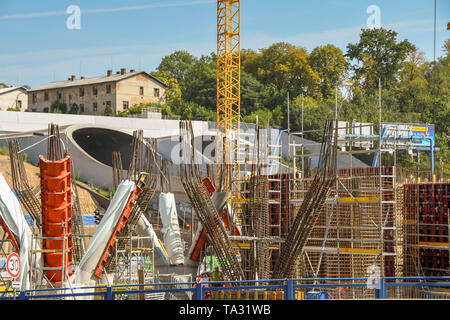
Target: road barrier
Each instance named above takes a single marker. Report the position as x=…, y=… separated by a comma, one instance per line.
x=278, y=289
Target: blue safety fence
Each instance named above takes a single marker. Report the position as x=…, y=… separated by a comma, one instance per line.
x=281, y=289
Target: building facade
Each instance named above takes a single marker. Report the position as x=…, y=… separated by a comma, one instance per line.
x=13, y=98
x=92, y=96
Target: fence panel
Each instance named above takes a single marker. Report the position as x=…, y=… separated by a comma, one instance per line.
x=262, y=290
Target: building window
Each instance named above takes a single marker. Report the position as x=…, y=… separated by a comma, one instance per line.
x=94, y=106
x=70, y=97
x=19, y=104
x=81, y=92
x=156, y=92
x=82, y=108
x=141, y=91
x=108, y=88
x=59, y=95
x=34, y=98
x=46, y=96
x=108, y=103
x=125, y=105
x=94, y=91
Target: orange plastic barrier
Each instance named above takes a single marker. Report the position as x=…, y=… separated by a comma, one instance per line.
x=56, y=201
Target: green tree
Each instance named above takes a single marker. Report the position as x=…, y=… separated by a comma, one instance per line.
x=330, y=64
x=58, y=107
x=412, y=91
x=250, y=61
x=178, y=65
x=122, y=114
x=439, y=88
x=138, y=109
x=287, y=67
x=252, y=93
x=74, y=109
x=378, y=55
x=261, y=114
x=173, y=94
x=315, y=114
x=109, y=111
x=200, y=86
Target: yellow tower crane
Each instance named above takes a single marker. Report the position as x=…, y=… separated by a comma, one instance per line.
x=228, y=88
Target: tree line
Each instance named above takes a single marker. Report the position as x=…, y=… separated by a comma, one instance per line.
x=414, y=90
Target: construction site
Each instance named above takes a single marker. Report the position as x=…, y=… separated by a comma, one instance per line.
x=280, y=216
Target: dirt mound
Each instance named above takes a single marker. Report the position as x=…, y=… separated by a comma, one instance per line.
x=88, y=204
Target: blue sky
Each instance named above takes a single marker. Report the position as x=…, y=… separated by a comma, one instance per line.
x=37, y=47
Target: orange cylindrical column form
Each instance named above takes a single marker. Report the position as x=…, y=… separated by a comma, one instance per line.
x=56, y=201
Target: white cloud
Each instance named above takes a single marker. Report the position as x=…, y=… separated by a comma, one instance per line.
x=106, y=10
x=79, y=53
x=309, y=40
x=36, y=68
x=339, y=37
x=416, y=26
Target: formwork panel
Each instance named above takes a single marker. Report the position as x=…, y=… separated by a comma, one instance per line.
x=426, y=246
x=56, y=201
x=356, y=230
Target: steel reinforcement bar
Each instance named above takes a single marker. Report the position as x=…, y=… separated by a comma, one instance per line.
x=310, y=208
x=204, y=207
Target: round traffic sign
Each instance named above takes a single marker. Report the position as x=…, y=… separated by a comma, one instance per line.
x=13, y=265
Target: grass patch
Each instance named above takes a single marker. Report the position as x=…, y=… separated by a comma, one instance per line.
x=4, y=151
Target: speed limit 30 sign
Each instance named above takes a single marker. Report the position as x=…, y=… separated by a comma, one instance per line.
x=13, y=265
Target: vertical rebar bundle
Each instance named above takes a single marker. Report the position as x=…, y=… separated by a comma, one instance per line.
x=224, y=171
x=21, y=185
x=137, y=153
x=77, y=219
x=150, y=166
x=259, y=207
x=204, y=207
x=145, y=153
x=210, y=173
x=145, y=160
x=165, y=176
x=54, y=150
x=117, y=168
x=311, y=207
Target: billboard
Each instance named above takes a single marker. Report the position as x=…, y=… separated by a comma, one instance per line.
x=408, y=135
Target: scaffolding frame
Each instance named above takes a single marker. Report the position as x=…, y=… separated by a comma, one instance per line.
x=39, y=273
x=134, y=256
x=358, y=215
x=257, y=204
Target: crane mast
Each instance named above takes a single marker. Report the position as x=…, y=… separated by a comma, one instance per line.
x=228, y=90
